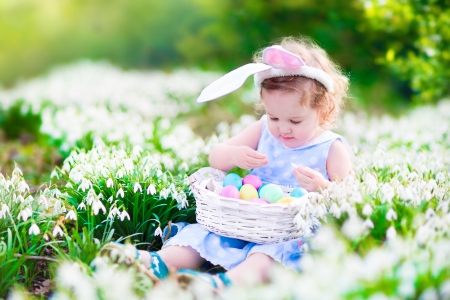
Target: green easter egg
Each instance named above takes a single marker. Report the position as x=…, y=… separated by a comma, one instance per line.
x=271, y=192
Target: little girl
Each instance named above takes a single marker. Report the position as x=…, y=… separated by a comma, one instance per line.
x=301, y=91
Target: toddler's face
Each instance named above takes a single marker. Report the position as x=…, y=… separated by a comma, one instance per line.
x=287, y=120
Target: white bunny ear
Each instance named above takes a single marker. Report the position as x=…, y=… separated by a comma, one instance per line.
x=230, y=81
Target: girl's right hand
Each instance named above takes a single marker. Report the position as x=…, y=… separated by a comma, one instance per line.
x=245, y=157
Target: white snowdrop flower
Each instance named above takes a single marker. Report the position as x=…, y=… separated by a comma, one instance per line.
x=391, y=233
x=97, y=206
x=387, y=193
x=124, y=215
x=69, y=185
x=128, y=164
x=71, y=277
x=353, y=227
x=423, y=234
x=85, y=184
x=183, y=167
x=406, y=289
x=391, y=215
x=23, y=186
x=137, y=187
x=58, y=207
x=335, y=210
x=444, y=289
x=429, y=294
x=71, y=215
x=164, y=193
x=151, y=190
x=19, y=198
x=120, y=193
x=109, y=183
x=159, y=173
x=158, y=232
x=443, y=206
x=110, y=199
x=54, y=174
x=57, y=231
x=367, y=210
x=81, y=206
x=368, y=224
x=407, y=271
x=119, y=173
x=34, y=229
x=440, y=177
x=430, y=213
x=370, y=181
x=113, y=212
x=25, y=214
x=182, y=200
x=76, y=176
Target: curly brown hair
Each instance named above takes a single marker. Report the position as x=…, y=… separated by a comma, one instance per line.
x=311, y=92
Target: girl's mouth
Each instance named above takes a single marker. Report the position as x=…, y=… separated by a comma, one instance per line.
x=286, y=138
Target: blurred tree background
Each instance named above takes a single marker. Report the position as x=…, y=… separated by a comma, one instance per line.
x=395, y=52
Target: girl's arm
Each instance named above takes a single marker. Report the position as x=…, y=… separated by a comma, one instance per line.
x=239, y=150
x=339, y=164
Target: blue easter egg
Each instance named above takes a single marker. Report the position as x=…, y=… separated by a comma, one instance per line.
x=298, y=192
x=233, y=179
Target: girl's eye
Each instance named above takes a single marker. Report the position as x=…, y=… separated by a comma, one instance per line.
x=274, y=119
x=296, y=122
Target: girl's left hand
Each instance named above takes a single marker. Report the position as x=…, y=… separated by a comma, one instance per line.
x=310, y=179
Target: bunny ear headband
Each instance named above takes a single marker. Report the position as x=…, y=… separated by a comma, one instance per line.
x=277, y=62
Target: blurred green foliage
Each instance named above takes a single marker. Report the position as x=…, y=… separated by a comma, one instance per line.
x=415, y=44
x=221, y=35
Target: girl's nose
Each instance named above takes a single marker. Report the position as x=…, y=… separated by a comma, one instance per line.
x=284, y=129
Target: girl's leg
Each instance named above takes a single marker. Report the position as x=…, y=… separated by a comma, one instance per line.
x=255, y=269
x=176, y=257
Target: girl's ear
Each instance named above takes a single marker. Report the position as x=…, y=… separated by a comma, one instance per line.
x=279, y=58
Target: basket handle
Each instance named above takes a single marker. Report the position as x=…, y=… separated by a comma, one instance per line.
x=205, y=173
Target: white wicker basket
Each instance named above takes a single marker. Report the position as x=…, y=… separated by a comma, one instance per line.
x=236, y=218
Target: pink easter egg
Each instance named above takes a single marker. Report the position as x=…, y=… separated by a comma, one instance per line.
x=230, y=191
x=259, y=200
x=253, y=180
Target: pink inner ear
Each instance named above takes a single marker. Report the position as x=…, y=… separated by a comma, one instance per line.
x=279, y=59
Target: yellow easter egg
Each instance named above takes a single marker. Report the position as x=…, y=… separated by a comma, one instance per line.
x=285, y=200
x=248, y=192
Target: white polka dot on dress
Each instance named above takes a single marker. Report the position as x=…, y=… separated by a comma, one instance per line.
x=313, y=160
x=221, y=253
x=268, y=172
x=280, y=163
x=287, y=175
x=276, y=153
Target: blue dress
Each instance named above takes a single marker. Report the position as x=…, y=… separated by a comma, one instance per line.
x=230, y=252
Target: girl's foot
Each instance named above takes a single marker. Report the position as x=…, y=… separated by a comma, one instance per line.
x=217, y=282
x=129, y=256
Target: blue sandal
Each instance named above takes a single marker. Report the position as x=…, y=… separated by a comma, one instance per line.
x=129, y=255
x=185, y=277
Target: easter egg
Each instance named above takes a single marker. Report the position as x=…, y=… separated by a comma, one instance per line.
x=259, y=190
x=298, y=192
x=248, y=191
x=230, y=191
x=285, y=200
x=253, y=180
x=259, y=200
x=233, y=179
x=271, y=192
